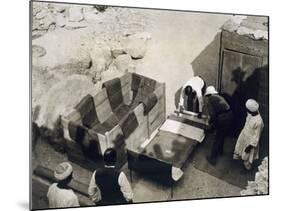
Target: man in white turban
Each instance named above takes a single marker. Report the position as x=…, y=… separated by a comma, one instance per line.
x=247, y=145
x=59, y=194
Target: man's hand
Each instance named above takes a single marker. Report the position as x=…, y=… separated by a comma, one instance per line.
x=248, y=149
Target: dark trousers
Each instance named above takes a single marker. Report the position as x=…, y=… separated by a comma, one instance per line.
x=222, y=129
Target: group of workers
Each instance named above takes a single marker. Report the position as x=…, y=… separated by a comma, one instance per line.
x=110, y=186
x=221, y=118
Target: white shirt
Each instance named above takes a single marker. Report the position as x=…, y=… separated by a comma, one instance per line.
x=197, y=84
x=123, y=182
x=59, y=197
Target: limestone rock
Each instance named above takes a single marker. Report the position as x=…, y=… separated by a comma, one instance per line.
x=62, y=98
x=260, y=185
x=116, y=49
x=42, y=14
x=59, y=8
x=136, y=45
x=38, y=51
x=123, y=63
x=47, y=22
x=65, y=60
x=75, y=14
x=60, y=20
x=75, y=25
x=101, y=57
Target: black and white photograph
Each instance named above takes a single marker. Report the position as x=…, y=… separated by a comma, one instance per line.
x=137, y=105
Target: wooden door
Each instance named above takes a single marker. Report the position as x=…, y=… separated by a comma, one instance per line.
x=238, y=81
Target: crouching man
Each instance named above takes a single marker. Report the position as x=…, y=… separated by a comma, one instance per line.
x=248, y=141
x=59, y=194
x=221, y=118
x=108, y=186
x=191, y=98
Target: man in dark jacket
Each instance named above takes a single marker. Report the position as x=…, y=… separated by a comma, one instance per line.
x=108, y=186
x=221, y=118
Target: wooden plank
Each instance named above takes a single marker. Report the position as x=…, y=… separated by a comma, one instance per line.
x=102, y=143
x=127, y=97
x=126, y=79
x=202, y=123
x=244, y=44
x=157, y=110
x=139, y=114
x=137, y=137
x=102, y=104
x=74, y=116
x=65, y=123
x=159, y=121
x=100, y=97
x=112, y=135
x=183, y=129
x=159, y=92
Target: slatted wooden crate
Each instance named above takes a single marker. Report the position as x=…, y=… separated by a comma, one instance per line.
x=147, y=123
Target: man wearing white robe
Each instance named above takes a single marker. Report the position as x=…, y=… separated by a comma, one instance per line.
x=247, y=145
x=59, y=194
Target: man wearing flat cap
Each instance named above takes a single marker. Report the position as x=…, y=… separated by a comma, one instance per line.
x=247, y=145
x=59, y=194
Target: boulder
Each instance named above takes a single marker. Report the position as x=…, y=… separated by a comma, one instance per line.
x=63, y=53
x=260, y=185
x=38, y=51
x=60, y=20
x=62, y=98
x=75, y=25
x=124, y=63
x=47, y=22
x=58, y=8
x=42, y=14
x=136, y=45
x=75, y=14
x=101, y=57
x=116, y=49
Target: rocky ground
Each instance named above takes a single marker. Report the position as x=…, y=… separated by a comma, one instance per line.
x=75, y=49
x=75, y=45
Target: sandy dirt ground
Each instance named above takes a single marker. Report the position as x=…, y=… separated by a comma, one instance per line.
x=176, y=40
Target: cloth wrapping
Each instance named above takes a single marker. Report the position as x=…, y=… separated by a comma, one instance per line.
x=142, y=86
x=114, y=92
x=87, y=110
x=136, y=81
x=147, y=86
x=148, y=102
x=107, y=125
x=129, y=124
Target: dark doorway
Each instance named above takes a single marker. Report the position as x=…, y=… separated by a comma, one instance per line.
x=239, y=80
